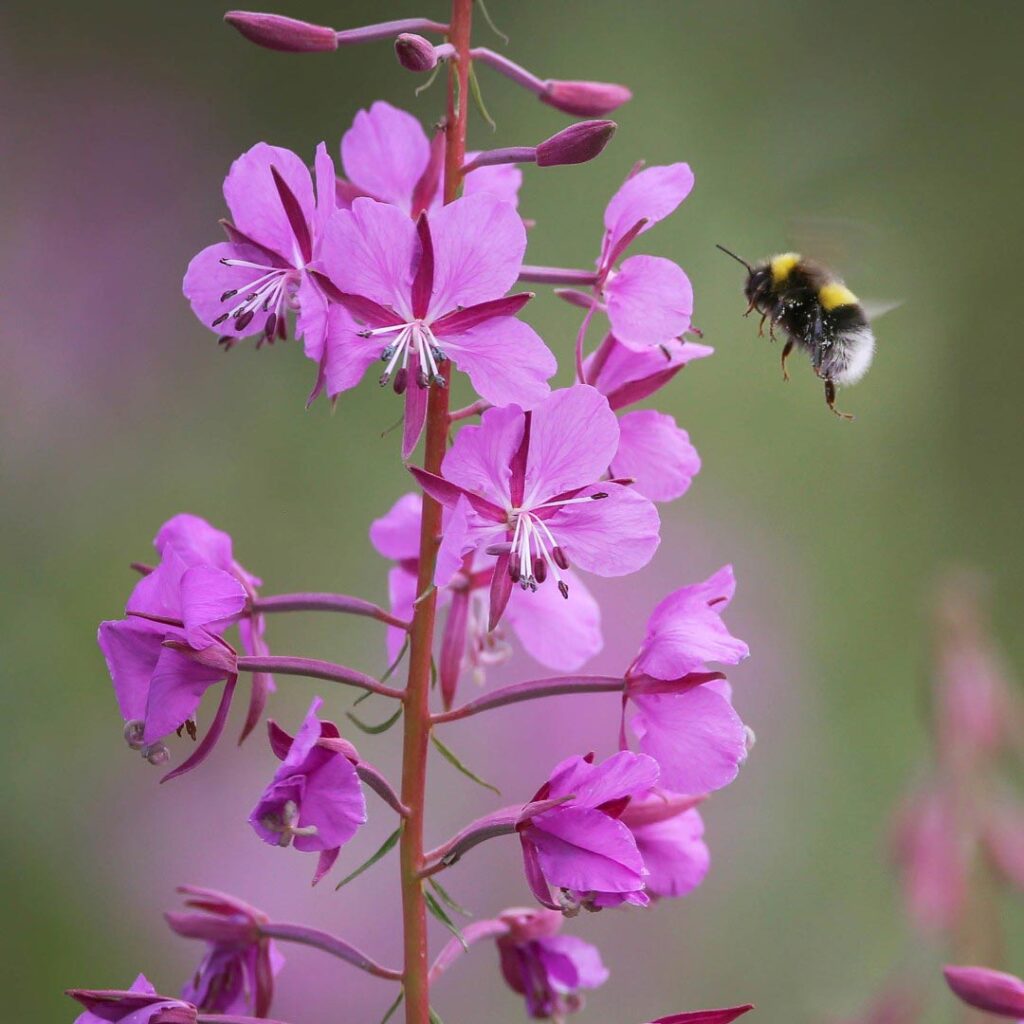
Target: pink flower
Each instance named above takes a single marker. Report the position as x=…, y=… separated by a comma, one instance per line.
x=531, y=487
x=547, y=968
x=685, y=719
x=654, y=451
x=669, y=834
x=315, y=800
x=555, y=634
x=581, y=848
x=387, y=156
x=237, y=973
x=138, y=1005
x=248, y=284
x=648, y=299
x=428, y=291
x=988, y=990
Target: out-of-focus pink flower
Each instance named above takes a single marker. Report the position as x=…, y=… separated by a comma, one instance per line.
x=530, y=487
x=1003, y=836
x=581, y=848
x=315, y=800
x=386, y=155
x=237, y=973
x=723, y=1016
x=548, y=969
x=428, y=291
x=988, y=990
x=584, y=99
x=139, y=1004
x=669, y=834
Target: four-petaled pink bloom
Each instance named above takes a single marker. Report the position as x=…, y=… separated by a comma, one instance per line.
x=581, y=848
x=531, y=487
x=415, y=294
x=992, y=991
x=237, y=973
x=548, y=969
x=139, y=1004
x=654, y=451
x=315, y=800
x=685, y=719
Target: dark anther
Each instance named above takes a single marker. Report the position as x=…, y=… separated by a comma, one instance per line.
x=220, y=319
x=599, y=495
x=383, y=379
x=540, y=569
x=227, y=295
x=513, y=570
x=559, y=556
x=563, y=589
x=401, y=381
x=243, y=320
x=270, y=327
x=226, y=342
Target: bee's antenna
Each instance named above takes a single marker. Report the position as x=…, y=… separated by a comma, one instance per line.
x=735, y=257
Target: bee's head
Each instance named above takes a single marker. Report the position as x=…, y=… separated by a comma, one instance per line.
x=759, y=283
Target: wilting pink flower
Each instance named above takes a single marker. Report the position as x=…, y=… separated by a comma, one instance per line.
x=387, y=156
x=428, y=291
x=315, y=800
x=248, y=284
x=138, y=1005
x=237, y=973
x=669, y=834
x=654, y=451
x=988, y=990
x=547, y=968
x=552, y=632
x=685, y=719
x=530, y=486
x=581, y=848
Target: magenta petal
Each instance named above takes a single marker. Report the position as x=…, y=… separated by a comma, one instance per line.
x=462, y=533
x=385, y=152
x=415, y=412
x=325, y=862
x=209, y=741
x=131, y=648
x=396, y=534
x=506, y=360
x=195, y=540
x=674, y=853
x=500, y=592
x=333, y=801
x=723, y=1016
x=988, y=990
x=649, y=301
x=369, y=250
x=402, y=594
x=326, y=193
x=312, y=323
x=207, y=281
x=696, y=737
x=209, y=596
x=255, y=205
x=347, y=354
x=462, y=320
x=651, y=195
x=572, y=441
x=656, y=454
x=613, y=536
x=479, y=243
x=175, y=691
x=480, y=458
x=622, y=775
x=502, y=181
x=453, y=646
x=535, y=875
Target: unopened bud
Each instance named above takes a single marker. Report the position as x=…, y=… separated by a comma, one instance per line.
x=584, y=99
x=415, y=53
x=276, y=32
x=576, y=144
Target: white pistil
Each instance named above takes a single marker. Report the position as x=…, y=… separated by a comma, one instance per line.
x=284, y=824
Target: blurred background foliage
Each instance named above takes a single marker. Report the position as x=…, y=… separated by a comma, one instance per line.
x=898, y=123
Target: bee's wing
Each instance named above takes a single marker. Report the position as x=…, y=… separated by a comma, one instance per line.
x=875, y=308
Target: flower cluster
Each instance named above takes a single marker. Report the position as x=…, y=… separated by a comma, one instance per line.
x=412, y=259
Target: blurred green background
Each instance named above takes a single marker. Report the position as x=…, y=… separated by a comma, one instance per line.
x=898, y=123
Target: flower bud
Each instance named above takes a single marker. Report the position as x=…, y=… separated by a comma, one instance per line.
x=584, y=99
x=415, y=53
x=576, y=144
x=987, y=990
x=276, y=32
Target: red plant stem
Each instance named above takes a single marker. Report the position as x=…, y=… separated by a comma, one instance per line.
x=417, y=723
x=313, y=668
x=317, y=602
x=536, y=689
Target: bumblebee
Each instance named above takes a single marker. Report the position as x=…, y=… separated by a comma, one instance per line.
x=816, y=312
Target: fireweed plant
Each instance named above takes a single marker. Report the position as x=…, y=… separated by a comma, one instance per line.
x=412, y=261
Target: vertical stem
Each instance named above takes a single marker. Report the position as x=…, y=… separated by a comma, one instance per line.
x=416, y=739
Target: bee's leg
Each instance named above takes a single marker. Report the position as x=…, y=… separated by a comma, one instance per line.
x=785, y=355
x=830, y=398
x=760, y=326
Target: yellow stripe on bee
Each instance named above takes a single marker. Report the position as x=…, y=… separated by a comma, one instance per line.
x=834, y=294
x=782, y=266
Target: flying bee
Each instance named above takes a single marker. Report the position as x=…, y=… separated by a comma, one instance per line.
x=815, y=311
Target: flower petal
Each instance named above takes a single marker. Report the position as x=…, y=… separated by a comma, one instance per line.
x=333, y=802
x=175, y=691
x=402, y=595
x=196, y=540
x=209, y=597
x=655, y=453
x=651, y=195
x=131, y=648
x=674, y=853
x=502, y=181
x=396, y=534
x=988, y=990
x=622, y=775
x=650, y=301
x=348, y=355
x=480, y=459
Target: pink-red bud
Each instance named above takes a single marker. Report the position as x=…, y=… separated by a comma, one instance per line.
x=276, y=32
x=584, y=99
x=576, y=144
x=415, y=53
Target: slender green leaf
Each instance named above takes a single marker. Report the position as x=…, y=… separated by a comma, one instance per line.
x=387, y=845
x=398, y=661
x=446, y=899
x=394, y=1006
x=429, y=82
x=375, y=730
x=439, y=912
x=434, y=1019
x=478, y=98
x=490, y=22
x=452, y=759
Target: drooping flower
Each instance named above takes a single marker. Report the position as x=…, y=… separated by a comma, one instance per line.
x=558, y=635
x=548, y=969
x=428, y=291
x=653, y=449
x=315, y=801
x=684, y=716
x=249, y=284
x=387, y=156
x=530, y=487
x=581, y=848
x=991, y=991
x=237, y=973
x=139, y=1004
x=669, y=834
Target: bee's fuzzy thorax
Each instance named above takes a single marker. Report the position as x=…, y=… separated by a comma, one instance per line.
x=782, y=266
